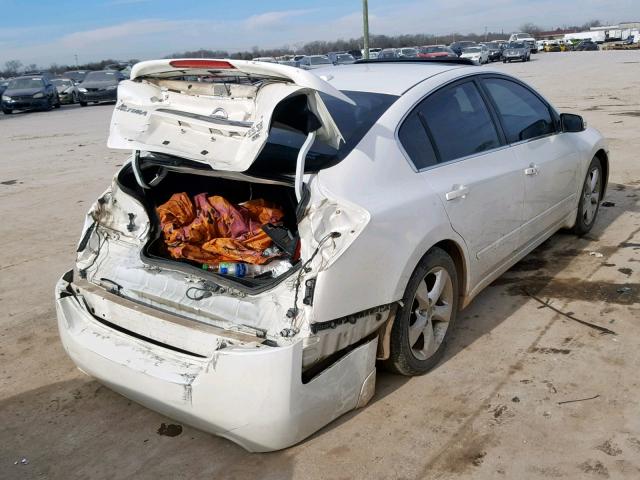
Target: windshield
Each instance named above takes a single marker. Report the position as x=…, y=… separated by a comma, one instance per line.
x=516, y=45
x=409, y=51
x=76, y=75
x=280, y=152
x=472, y=50
x=320, y=60
x=345, y=58
x=101, y=76
x=58, y=82
x=433, y=49
x=29, y=82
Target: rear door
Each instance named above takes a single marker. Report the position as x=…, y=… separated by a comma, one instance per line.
x=549, y=157
x=453, y=140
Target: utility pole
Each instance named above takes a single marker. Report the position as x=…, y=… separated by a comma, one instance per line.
x=365, y=28
x=76, y=56
x=485, y=34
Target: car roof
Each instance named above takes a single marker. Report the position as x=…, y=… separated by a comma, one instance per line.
x=392, y=78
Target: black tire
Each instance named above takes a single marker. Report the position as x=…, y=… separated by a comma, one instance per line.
x=83, y=104
x=74, y=98
x=57, y=104
x=7, y=111
x=504, y=61
x=590, y=197
x=407, y=359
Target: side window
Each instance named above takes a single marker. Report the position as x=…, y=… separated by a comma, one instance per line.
x=523, y=114
x=458, y=122
x=413, y=138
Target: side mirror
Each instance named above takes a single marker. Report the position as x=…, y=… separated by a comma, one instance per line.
x=572, y=123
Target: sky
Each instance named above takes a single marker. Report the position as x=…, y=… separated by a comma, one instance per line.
x=48, y=31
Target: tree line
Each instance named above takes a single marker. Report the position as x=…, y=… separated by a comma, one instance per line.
x=317, y=47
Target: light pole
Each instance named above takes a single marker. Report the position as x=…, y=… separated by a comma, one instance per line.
x=76, y=55
x=485, y=34
x=365, y=28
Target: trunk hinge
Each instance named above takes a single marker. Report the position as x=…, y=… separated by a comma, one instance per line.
x=302, y=156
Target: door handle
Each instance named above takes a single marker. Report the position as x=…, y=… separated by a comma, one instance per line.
x=459, y=191
x=532, y=170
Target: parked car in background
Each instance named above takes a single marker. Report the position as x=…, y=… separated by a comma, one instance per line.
x=478, y=54
x=396, y=193
x=99, y=86
x=3, y=85
x=290, y=63
x=310, y=62
x=388, y=53
x=373, y=53
x=436, y=51
x=458, y=46
x=407, y=52
x=495, y=51
x=516, y=51
x=344, y=59
x=29, y=92
x=552, y=46
x=67, y=90
x=75, y=75
x=527, y=38
x=586, y=45
x=357, y=54
x=265, y=59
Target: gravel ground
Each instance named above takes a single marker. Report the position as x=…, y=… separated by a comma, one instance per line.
x=491, y=409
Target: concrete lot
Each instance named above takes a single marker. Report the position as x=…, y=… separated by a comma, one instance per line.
x=489, y=410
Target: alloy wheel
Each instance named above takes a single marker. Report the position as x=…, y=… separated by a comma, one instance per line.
x=431, y=313
x=591, y=195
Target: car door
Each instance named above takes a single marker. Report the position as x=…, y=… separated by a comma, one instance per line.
x=453, y=140
x=550, y=158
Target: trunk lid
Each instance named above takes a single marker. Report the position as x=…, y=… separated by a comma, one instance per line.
x=224, y=121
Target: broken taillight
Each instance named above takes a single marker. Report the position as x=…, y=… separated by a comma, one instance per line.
x=205, y=64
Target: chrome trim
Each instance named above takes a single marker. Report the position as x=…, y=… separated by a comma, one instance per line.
x=205, y=118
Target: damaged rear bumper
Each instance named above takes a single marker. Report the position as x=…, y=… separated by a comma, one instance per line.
x=251, y=395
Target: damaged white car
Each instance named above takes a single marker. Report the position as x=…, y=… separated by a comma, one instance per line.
x=278, y=232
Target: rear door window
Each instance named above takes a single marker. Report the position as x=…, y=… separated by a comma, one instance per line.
x=524, y=116
x=457, y=122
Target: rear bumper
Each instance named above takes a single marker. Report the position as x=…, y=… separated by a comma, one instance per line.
x=252, y=396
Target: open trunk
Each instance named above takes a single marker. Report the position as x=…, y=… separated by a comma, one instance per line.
x=236, y=189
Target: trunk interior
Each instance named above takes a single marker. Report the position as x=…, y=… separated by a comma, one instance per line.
x=234, y=190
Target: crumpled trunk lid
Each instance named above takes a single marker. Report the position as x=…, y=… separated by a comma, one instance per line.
x=224, y=121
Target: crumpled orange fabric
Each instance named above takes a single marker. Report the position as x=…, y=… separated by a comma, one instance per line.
x=212, y=229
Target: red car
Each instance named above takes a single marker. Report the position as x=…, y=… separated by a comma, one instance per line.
x=434, y=51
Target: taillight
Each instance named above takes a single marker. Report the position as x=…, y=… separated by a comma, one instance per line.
x=205, y=64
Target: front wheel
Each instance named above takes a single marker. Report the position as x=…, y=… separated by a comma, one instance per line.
x=423, y=323
x=83, y=104
x=7, y=111
x=589, y=204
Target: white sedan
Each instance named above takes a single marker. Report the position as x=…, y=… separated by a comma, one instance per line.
x=387, y=196
x=478, y=54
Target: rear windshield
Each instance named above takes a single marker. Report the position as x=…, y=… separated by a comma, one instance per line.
x=319, y=60
x=280, y=153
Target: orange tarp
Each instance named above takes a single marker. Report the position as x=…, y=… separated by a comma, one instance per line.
x=212, y=229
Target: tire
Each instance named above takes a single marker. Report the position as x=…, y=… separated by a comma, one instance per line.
x=83, y=104
x=430, y=304
x=590, y=197
x=57, y=104
x=7, y=111
x=504, y=61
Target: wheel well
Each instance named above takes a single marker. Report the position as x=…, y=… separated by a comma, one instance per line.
x=604, y=161
x=455, y=252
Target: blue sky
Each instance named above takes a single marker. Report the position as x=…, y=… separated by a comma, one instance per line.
x=48, y=31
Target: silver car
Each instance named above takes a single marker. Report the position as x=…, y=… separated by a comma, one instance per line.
x=372, y=202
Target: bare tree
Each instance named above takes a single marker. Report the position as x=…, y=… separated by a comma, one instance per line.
x=12, y=66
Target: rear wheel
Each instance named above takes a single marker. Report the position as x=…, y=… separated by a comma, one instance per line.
x=589, y=204
x=7, y=111
x=83, y=104
x=423, y=323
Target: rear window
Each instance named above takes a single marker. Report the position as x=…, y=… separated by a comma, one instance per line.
x=280, y=152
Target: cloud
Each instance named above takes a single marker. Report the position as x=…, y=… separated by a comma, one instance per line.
x=273, y=20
